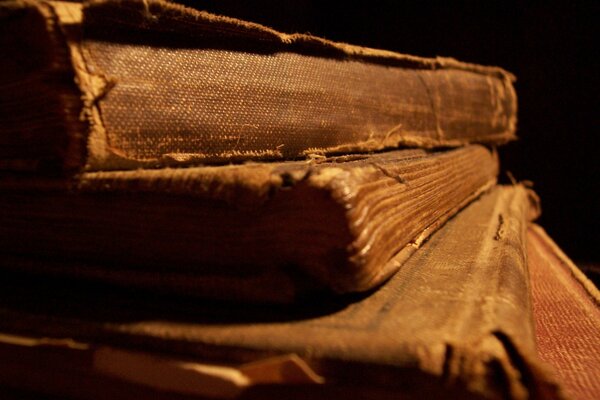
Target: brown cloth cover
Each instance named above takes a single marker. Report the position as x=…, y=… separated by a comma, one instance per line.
x=255, y=232
x=160, y=84
x=455, y=321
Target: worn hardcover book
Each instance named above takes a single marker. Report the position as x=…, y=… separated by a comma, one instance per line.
x=129, y=84
x=455, y=322
x=264, y=232
x=566, y=307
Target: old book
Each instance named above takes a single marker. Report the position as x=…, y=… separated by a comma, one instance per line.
x=265, y=231
x=129, y=84
x=567, y=316
x=454, y=322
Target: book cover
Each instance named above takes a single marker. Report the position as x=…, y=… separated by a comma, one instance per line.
x=261, y=232
x=567, y=316
x=456, y=321
x=129, y=84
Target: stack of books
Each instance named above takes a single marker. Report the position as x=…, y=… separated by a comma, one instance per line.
x=198, y=206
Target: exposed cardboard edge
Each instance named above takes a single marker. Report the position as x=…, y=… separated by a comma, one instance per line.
x=179, y=376
x=42, y=341
x=93, y=86
x=201, y=379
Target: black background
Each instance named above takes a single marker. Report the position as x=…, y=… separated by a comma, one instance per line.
x=549, y=46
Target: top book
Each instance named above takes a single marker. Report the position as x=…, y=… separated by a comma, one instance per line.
x=132, y=84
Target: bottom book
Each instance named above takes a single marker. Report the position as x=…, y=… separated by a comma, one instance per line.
x=456, y=321
x=566, y=308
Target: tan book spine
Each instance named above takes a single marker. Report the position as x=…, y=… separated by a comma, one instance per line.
x=159, y=85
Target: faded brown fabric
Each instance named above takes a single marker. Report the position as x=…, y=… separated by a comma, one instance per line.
x=455, y=321
x=567, y=316
x=342, y=224
x=164, y=85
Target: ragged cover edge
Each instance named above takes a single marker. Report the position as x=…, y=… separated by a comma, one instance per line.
x=151, y=13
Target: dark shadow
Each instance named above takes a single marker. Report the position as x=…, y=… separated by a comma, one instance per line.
x=79, y=299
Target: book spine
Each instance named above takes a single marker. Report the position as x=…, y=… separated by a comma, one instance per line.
x=162, y=85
